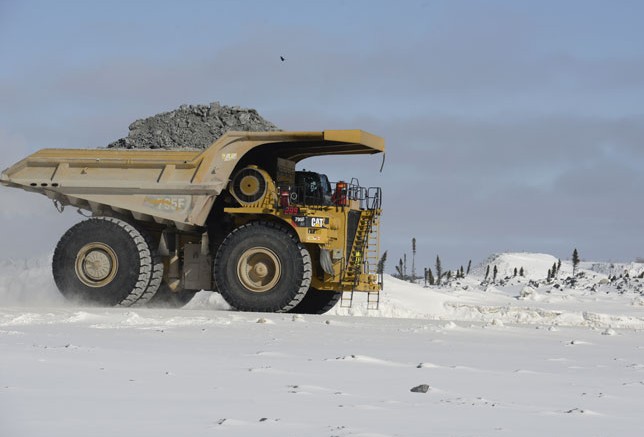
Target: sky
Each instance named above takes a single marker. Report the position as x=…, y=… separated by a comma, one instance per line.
x=509, y=126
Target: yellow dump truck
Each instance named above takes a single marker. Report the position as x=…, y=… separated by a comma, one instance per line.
x=237, y=218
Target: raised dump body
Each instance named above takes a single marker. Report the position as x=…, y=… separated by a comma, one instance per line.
x=236, y=218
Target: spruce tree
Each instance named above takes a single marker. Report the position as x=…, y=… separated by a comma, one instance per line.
x=399, y=269
x=380, y=269
x=405, y=266
x=413, y=259
x=496, y=270
x=515, y=271
x=431, y=276
x=549, y=275
x=521, y=272
x=554, y=271
x=462, y=272
x=558, y=265
x=439, y=270
x=575, y=262
x=469, y=265
x=487, y=272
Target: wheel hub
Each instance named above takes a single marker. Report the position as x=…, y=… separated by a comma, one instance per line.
x=249, y=185
x=96, y=264
x=259, y=269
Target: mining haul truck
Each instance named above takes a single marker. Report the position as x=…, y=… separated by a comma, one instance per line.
x=236, y=218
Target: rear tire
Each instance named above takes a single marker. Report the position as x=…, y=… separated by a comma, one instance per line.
x=317, y=302
x=261, y=266
x=102, y=261
x=156, y=276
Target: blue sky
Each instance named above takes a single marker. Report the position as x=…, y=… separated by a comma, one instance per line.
x=509, y=125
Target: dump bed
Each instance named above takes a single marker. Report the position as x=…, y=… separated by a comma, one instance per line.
x=170, y=186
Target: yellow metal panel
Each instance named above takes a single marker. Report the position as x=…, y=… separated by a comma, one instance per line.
x=109, y=176
x=356, y=136
x=113, y=156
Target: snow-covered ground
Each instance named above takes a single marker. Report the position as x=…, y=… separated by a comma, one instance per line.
x=523, y=356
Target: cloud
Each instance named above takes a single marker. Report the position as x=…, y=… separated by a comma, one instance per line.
x=465, y=186
x=13, y=147
x=29, y=224
x=493, y=66
x=495, y=140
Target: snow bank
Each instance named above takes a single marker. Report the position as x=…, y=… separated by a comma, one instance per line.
x=593, y=301
x=633, y=269
x=401, y=299
x=535, y=265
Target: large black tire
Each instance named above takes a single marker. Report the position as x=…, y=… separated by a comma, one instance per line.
x=156, y=276
x=262, y=266
x=317, y=302
x=103, y=261
x=165, y=298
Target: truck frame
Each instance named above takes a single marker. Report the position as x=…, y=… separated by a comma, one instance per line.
x=236, y=218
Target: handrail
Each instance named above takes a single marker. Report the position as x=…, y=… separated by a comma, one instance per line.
x=369, y=198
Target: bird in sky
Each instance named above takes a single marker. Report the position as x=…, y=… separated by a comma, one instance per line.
x=282, y=58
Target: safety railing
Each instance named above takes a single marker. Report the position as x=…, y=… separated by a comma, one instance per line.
x=343, y=192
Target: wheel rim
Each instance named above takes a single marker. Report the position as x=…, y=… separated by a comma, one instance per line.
x=96, y=264
x=259, y=269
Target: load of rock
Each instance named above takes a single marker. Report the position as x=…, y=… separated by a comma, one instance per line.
x=191, y=127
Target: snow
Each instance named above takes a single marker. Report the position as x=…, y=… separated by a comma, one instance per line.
x=522, y=356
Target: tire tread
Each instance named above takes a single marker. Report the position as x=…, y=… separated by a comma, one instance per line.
x=307, y=272
x=145, y=256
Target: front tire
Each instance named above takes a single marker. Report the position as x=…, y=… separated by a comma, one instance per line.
x=103, y=261
x=261, y=266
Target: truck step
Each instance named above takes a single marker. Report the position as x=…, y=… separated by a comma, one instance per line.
x=373, y=300
x=346, y=301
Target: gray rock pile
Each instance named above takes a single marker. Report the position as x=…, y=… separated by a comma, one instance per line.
x=191, y=127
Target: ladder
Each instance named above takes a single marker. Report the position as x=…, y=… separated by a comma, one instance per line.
x=363, y=259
